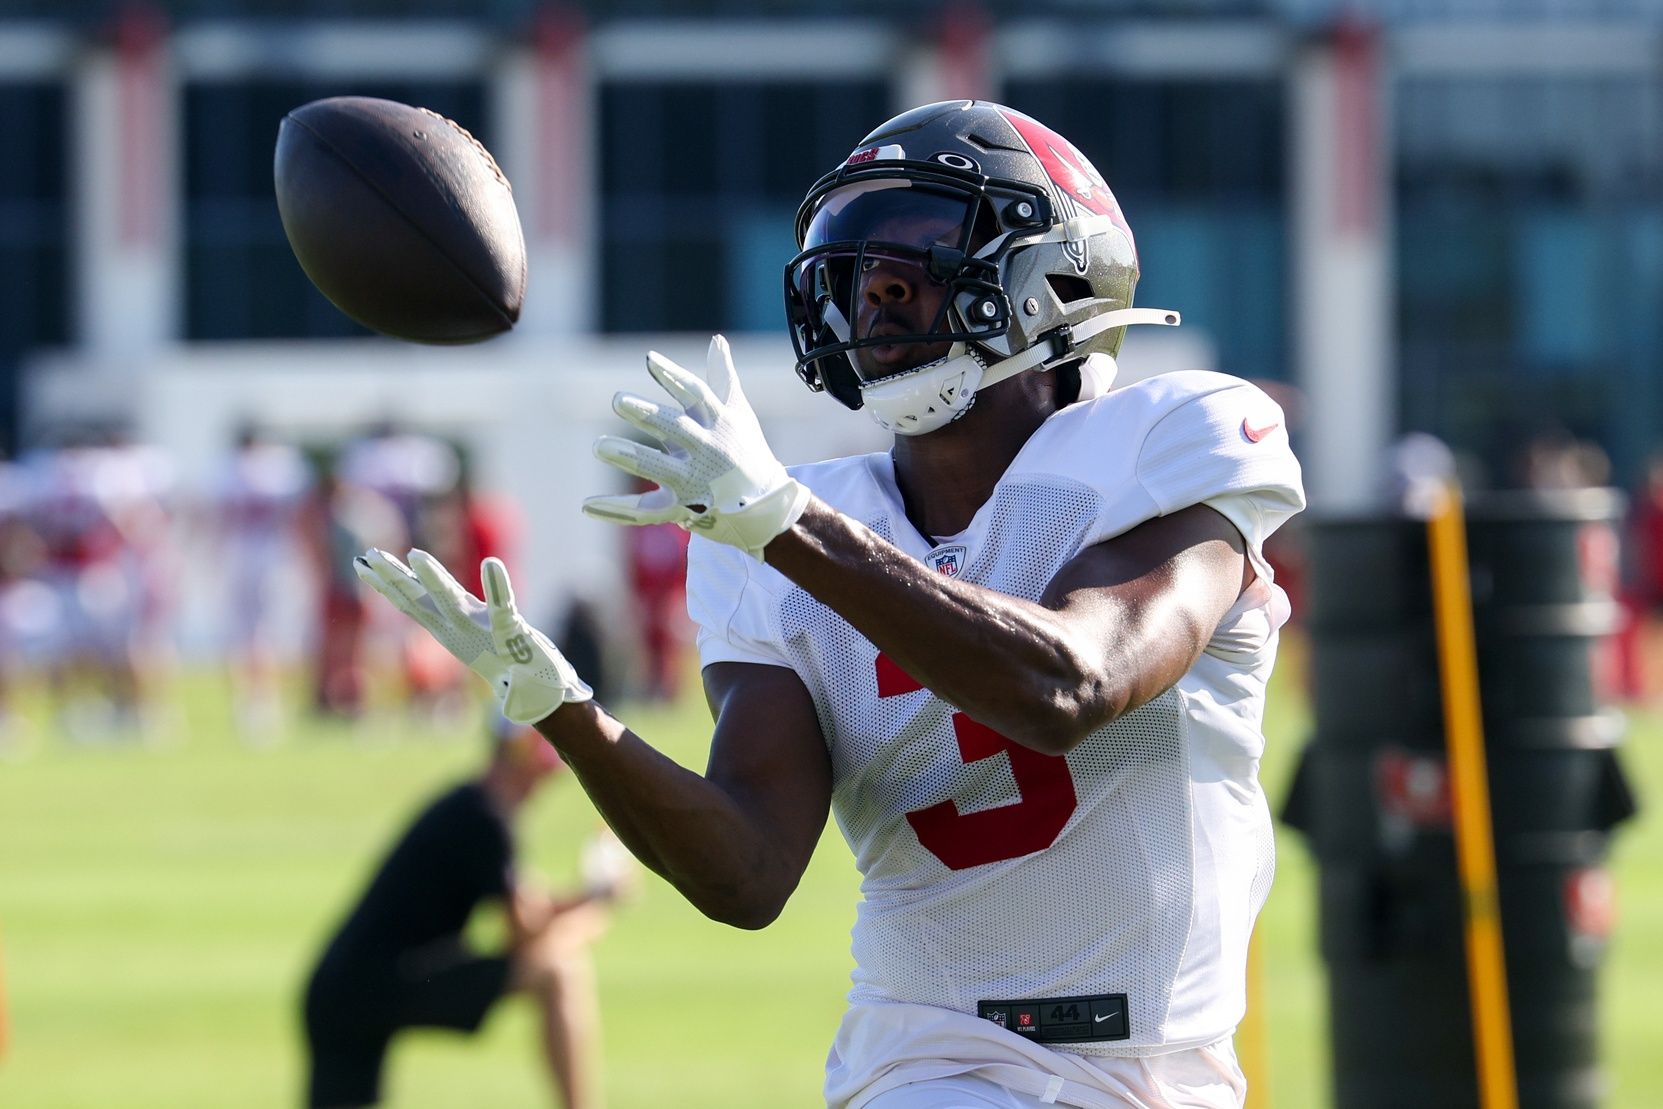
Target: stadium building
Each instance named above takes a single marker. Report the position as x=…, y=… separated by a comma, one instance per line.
x=1433, y=215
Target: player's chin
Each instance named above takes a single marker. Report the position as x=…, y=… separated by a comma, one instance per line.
x=890, y=359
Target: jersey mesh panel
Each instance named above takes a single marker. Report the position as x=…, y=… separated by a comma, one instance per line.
x=1264, y=873
x=1104, y=909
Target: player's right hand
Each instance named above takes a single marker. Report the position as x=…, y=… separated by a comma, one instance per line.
x=528, y=674
x=715, y=472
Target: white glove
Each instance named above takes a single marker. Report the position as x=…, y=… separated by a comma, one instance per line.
x=715, y=472
x=528, y=674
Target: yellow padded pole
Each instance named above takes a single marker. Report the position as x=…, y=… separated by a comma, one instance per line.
x=1470, y=791
x=1252, y=1042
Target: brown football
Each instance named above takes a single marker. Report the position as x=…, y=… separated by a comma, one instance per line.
x=401, y=218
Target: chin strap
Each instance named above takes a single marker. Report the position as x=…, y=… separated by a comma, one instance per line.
x=1058, y=343
x=920, y=400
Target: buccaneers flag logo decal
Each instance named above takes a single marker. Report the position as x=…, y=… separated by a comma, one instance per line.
x=1068, y=168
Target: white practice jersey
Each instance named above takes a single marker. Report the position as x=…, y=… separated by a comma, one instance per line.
x=1136, y=863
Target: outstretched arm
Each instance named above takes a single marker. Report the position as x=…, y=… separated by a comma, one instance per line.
x=736, y=840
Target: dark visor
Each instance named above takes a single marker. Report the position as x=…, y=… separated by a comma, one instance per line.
x=892, y=212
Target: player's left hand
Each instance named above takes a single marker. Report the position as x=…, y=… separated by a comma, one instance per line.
x=715, y=471
x=528, y=674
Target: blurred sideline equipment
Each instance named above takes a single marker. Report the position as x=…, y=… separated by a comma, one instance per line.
x=401, y=218
x=400, y=960
x=1383, y=783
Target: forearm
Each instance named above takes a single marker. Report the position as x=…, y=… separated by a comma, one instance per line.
x=679, y=824
x=1054, y=685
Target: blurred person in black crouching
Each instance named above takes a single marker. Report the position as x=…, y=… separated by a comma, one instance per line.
x=400, y=959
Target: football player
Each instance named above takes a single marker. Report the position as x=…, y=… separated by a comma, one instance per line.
x=257, y=497
x=401, y=957
x=1022, y=655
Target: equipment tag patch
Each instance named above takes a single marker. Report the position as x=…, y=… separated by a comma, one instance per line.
x=1058, y=1020
x=948, y=560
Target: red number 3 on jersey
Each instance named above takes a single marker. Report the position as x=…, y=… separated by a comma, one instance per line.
x=1032, y=823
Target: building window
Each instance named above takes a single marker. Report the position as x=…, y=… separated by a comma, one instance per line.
x=699, y=187
x=34, y=233
x=1530, y=265
x=241, y=279
x=1197, y=166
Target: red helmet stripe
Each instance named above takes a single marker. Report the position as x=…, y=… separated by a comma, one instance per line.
x=1068, y=169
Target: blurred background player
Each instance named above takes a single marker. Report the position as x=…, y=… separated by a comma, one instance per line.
x=96, y=510
x=406, y=467
x=658, y=579
x=337, y=517
x=400, y=959
x=78, y=554
x=466, y=525
x=421, y=476
x=20, y=594
x=257, y=505
x=142, y=487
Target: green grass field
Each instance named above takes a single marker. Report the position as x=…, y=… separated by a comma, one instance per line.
x=159, y=907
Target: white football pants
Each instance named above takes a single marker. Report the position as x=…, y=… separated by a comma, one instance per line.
x=1203, y=1078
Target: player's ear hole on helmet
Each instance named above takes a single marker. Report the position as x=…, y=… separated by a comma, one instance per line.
x=1068, y=288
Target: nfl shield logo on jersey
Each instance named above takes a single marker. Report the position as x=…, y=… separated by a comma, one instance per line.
x=948, y=560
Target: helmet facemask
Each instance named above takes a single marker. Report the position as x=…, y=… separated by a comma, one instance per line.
x=898, y=273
